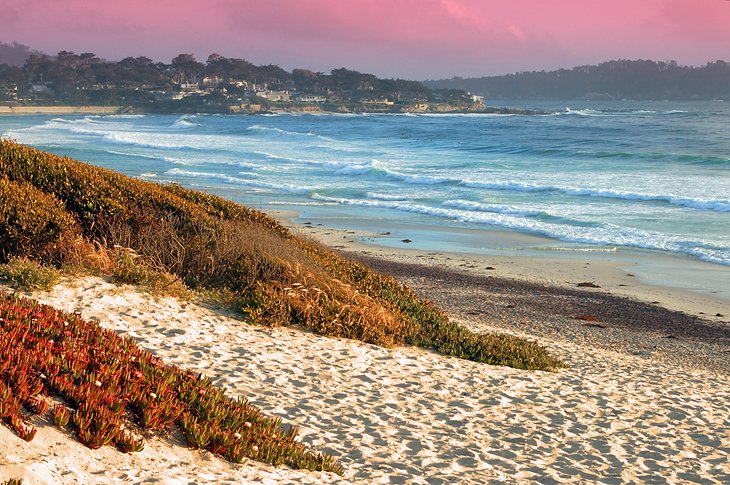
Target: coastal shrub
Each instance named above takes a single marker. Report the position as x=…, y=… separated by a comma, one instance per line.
x=23, y=273
x=213, y=245
x=114, y=388
x=127, y=269
x=31, y=221
x=429, y=327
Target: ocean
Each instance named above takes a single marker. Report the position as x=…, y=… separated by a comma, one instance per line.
x=588, y=176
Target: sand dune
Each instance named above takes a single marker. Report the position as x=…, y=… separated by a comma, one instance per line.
x=401, y=415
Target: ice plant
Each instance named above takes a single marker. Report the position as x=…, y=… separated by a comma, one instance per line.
x=107, y=379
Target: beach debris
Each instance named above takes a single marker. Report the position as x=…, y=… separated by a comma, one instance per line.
x=587, y=284
x=490, y=268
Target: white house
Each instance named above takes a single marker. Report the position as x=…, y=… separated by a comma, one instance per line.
x=310, y=98
x=275, y=95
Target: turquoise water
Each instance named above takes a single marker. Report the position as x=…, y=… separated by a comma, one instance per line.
x=598, y=176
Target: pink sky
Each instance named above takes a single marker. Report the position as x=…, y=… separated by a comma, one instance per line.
x=417, y=39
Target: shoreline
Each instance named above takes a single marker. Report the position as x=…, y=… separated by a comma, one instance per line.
x=26, y=110
x=676, y=282
x=61, y=110
x=643, y=397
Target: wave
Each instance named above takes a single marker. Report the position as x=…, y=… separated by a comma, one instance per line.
x=260, y=129
x=163, y=158
x=377, y=196
x=338, y=168
x=716, y=205
x=273, y=156
x=377, y=168
x=495, y=209
x=184, y=122
x=176, y=172
x=583, y=112
x=572, y=249
x=617, y=112
x=121, y=117
x=595, y=235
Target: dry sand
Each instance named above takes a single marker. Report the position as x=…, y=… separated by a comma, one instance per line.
x=619, y=414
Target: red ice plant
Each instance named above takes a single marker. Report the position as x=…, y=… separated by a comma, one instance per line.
x=107, y=379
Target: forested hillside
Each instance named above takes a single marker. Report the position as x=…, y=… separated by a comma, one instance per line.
x=621, y=79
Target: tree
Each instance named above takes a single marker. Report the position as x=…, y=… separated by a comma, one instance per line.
x=187, y=69
x=14, y=54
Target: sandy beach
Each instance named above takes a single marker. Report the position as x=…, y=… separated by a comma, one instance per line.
x=645, y=397
x=672, y=281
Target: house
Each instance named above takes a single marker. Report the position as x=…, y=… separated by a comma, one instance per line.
x=212, y=81
x=9, y=92
x=477, y=99
x=41, y=89
x=383, y=101
x=169, y=95
x=190, y=88
x=311, y=98
x=276, y=96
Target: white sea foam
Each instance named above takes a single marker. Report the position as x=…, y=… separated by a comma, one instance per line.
x=497, y=209
x=572, y=249
x=378, y=196
x=281, y=132
x=616, y=112
x=176, y=172
x=602, y=235
x=718, y=205
x=184, y=123
x=584, y=112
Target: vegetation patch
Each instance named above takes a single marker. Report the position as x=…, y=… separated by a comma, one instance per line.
x=137, y=229
x=112, y=391
x=26, y=274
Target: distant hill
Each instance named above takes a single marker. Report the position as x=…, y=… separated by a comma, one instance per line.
x=620, y=79
x=14, y=54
